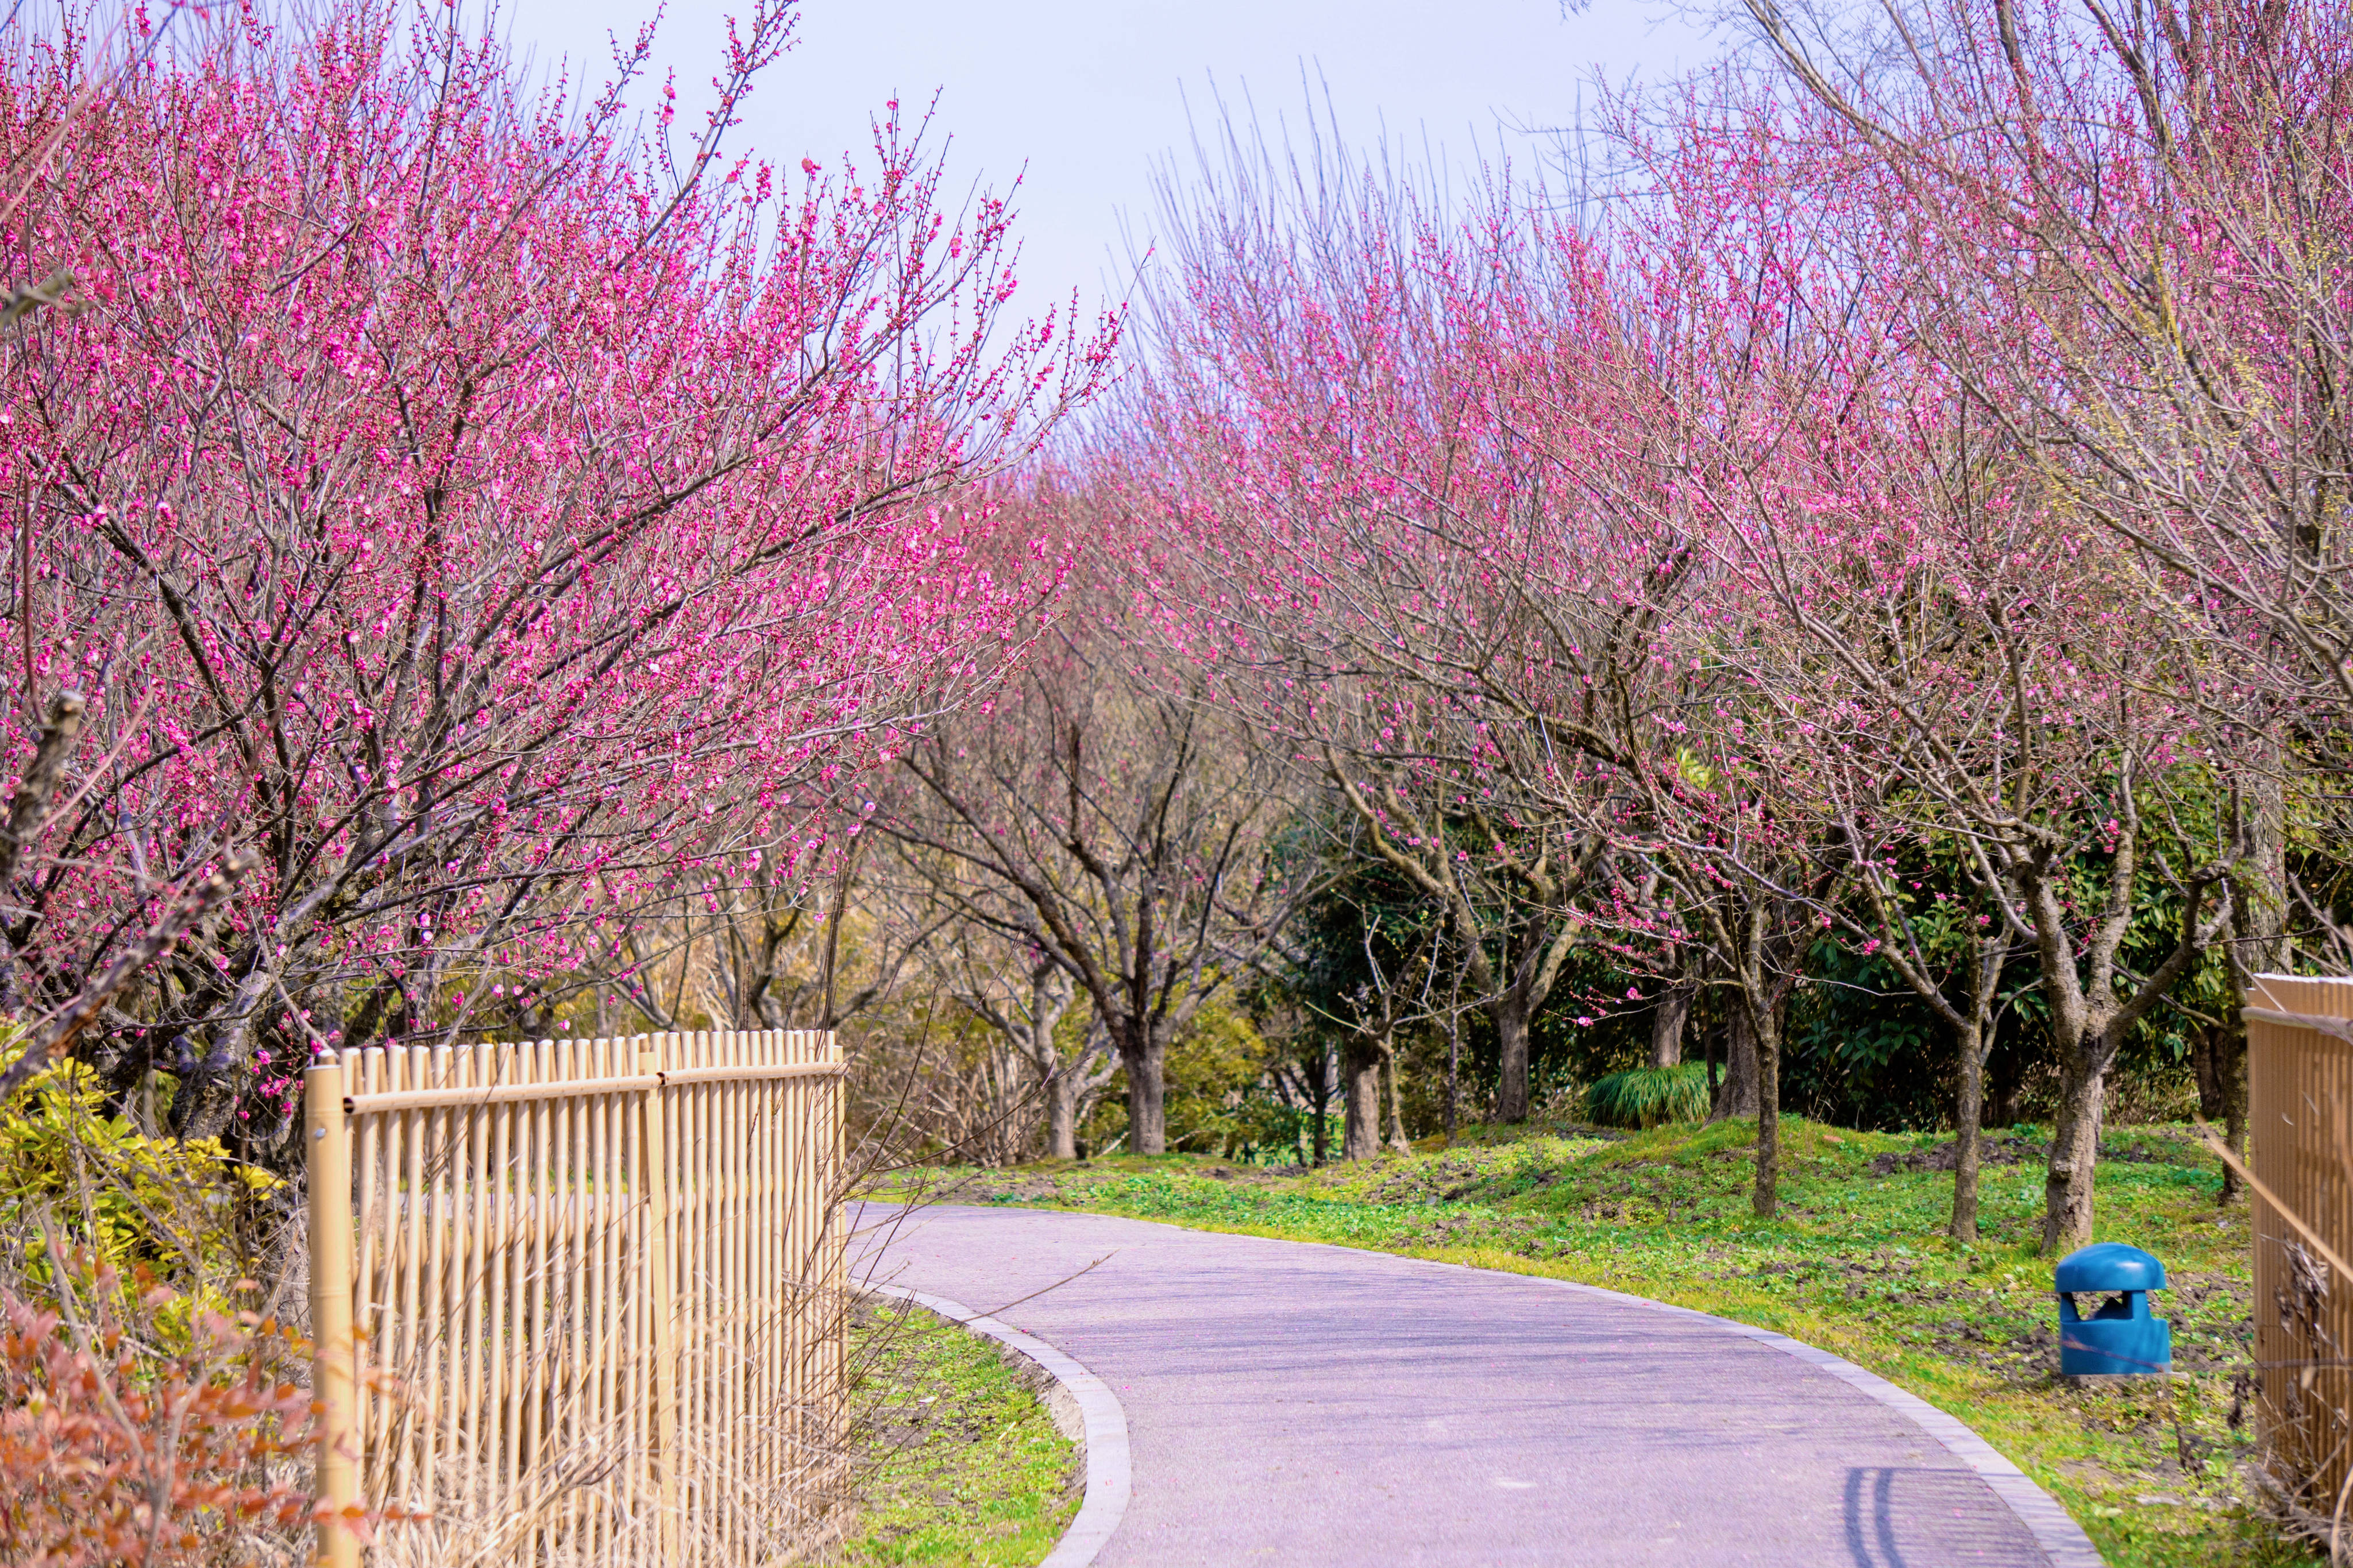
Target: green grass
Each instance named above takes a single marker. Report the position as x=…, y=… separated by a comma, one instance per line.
x=1856, y=1263
x=960, y=1462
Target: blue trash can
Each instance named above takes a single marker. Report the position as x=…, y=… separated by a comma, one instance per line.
x=2119, y=1339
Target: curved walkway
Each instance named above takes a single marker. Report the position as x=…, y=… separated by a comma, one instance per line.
x=1294, y=1403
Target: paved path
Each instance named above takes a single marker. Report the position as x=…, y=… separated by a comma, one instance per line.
x=1299, y=1405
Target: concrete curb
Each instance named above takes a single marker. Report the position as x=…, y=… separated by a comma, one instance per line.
x=2053, y=1529
x=1083, y=1407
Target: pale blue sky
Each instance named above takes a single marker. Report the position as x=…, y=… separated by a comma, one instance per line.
x=1087, y=95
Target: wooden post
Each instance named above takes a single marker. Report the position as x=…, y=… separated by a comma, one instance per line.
x=660, y=1259
x=334, y=1364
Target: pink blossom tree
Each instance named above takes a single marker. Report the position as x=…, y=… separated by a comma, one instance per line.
x=1097, y=816
x=471, y=511
x=2043, y=343
x=1338, y=514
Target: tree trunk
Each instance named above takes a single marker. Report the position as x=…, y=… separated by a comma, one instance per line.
x=1319, y=1085
x=1453, y=1071
x=1147, y=1120
x=1360, y=1083
x=1062, y=1112
x=2005, y=1092
x=1766, y=1196
x=2206, y=1054
x=1399, y=1141
x=2074, y=1152
x=2260, y=946
x=207, y=1099
x=1736, y=1096
x=2218, y=1059
x=1968, y=1110
x=1052, y=991
x=1512, y=1053
x=2234, y=1111
x=1667, y=1027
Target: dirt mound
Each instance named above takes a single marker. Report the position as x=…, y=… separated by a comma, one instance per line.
x=1993, y=1150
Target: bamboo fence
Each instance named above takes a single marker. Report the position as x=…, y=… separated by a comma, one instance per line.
x=2300, y=1127
x=581, y=1295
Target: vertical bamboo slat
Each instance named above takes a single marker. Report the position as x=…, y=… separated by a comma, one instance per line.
x=733, y=1165
x=432, y=1217
x=369, y=1197
x=660, y=1261
x=536, y=1255
x=564, y=1375
x=769, y=1456
x=474, y=1200
x=500, y=1394
x=407, y=1347
x=603, y=1300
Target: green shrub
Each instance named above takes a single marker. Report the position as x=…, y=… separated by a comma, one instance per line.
x=124, y=1201
x=1647, y=1096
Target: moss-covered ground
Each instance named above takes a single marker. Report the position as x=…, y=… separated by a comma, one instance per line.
x=957, y=1460
x=1856, y=1262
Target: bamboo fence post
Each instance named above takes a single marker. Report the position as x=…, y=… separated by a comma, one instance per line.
x=660, y=1261
x=331, y=1379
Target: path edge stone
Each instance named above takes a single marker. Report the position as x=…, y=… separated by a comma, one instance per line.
x=2054, y=1529
x=1103, y=1438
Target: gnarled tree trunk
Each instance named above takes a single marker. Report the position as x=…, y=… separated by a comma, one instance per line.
x=1667, y=1027
x=1736, y=1095
x=1763, y=1198
x=1360, y=1070
x=1063, y=1117
x=1399, y=1141
x=1145, y=1058
x=1968, y=1106
x=2067, y=1180
x=1065, y=1091
x=1510, y=1013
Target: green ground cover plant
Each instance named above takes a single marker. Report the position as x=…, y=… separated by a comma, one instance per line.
x=958, y=1461
x=1856, y=1262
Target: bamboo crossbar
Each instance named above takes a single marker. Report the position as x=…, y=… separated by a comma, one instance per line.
x=2339, y=1027
x=2300, y=1137
x=592, y=1310
x=516, y=1093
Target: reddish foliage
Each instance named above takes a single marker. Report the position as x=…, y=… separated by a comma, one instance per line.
x=111, y=1452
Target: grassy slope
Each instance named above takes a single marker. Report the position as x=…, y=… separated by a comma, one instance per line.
x=1856, y=1263
x=961, y=1463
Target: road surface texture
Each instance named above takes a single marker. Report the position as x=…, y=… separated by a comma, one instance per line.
x=1302, y=1405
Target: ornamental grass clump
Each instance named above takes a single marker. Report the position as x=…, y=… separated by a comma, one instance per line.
x=1647, y=1096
